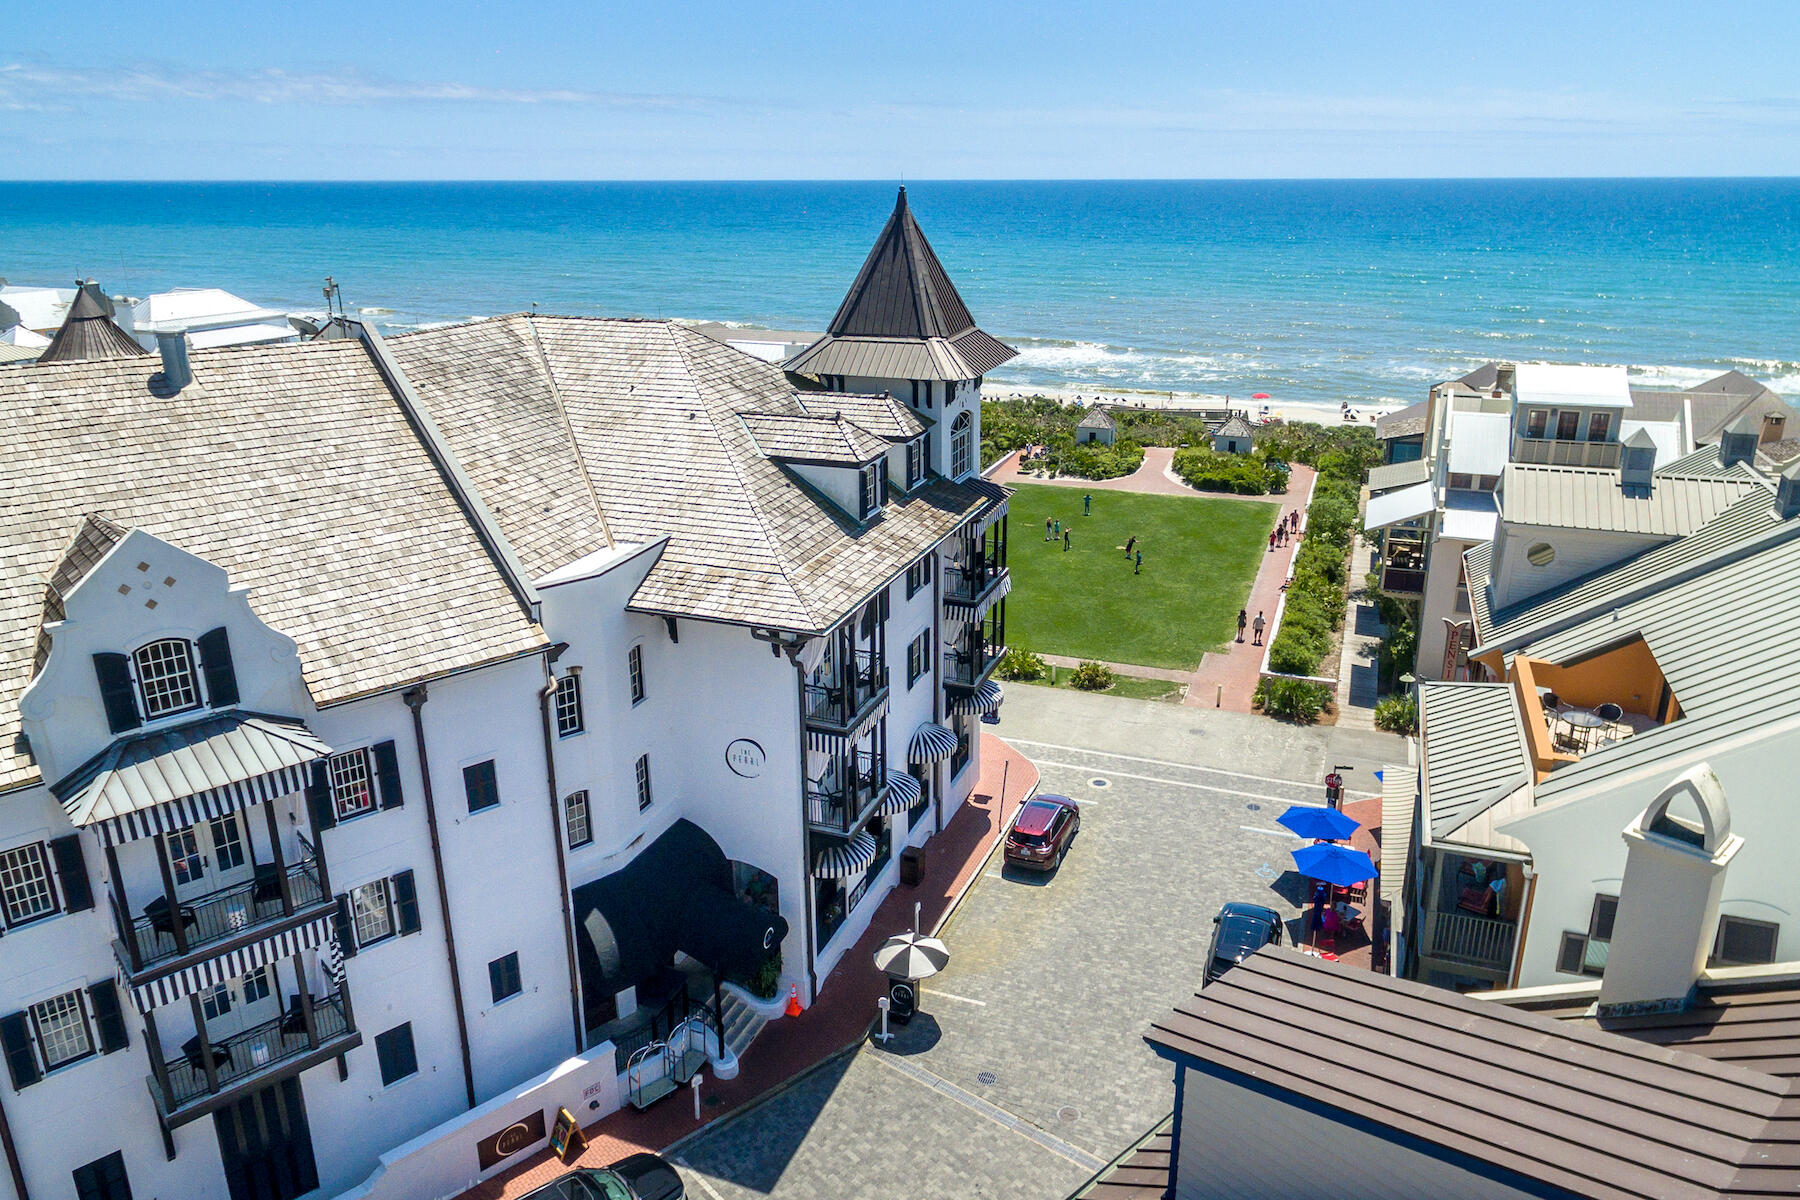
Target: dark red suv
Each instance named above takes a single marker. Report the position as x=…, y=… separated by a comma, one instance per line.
x=1042, y=831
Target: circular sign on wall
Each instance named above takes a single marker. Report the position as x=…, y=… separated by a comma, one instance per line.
x=515, y=1138
x=746, y=758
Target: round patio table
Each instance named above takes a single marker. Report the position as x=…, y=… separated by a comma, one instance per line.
x=1585, y=724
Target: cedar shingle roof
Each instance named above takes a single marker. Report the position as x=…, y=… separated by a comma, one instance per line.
x=653, y=413
x=880, y=414
x=1572, y=1107
x=813, y=439
x=293, y=469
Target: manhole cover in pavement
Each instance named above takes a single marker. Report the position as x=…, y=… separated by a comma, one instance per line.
x=986, y=1078
x=1068, y=1112
x=1254, y=807
x=1099, y=783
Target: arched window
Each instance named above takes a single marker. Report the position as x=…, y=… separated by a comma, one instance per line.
x=166, y=677
x=962, y=458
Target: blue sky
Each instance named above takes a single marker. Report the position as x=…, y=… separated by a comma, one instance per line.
x=1052, y=89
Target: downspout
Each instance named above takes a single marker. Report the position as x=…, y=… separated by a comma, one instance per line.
x=937, y=683
x=564, y=900
x=415, y=698
x=12, y=1156
x=806, y=883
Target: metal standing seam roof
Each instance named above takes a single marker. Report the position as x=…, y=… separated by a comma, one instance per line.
x=88, y=332
x=1562, y=385
x=1399, y=794
x=1590, y=498
x=1480, y=442
x=1472, y=752
x=813, y=439
x=1389, y=476
x=1469, y=515
x=1574, y=1108
x=1407, y=504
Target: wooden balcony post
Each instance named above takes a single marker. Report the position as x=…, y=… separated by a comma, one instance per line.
x=176, y=924
x=206, y=1054
x=287, y=885
x=159, y=1065
x=122, y=910
x=306, y=1003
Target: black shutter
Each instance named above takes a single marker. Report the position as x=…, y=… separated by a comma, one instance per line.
x=318, y=798
x=406, y=902
x=346, y=932
x=387, y=773
x=114, y=673
x=71, y=873
x=104, y=999
x=21, y=1059
x=215, y=664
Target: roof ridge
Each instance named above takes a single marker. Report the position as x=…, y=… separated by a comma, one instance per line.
x=562, y=416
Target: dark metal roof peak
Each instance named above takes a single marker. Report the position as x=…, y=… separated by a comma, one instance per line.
x=902, y=290
x=88, y=332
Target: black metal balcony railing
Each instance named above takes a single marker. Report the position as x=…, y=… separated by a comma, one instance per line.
x=841, y=701
x=226, y=913
x=253, y=1053
x=971, y=580
x=1402, y=581
x=972, y=660
x=838, y=801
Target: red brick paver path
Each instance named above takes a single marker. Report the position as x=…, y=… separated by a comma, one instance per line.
x=846, y=1004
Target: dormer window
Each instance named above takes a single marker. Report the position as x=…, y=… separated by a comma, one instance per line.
x=874, y=489
x=167, y=681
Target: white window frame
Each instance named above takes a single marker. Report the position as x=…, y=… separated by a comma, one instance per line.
x=60, y=1008
x=16, y=877
x=634, y=673
x=915, y=463
x=644, y=797
x=361, y=906
x=569, y=718
x=222, y=848
x=216, y=1001
x=577, y=820
x=263, y=977
x=156, y=686
x=962, y=433
x=347, y=771
x=870, y=491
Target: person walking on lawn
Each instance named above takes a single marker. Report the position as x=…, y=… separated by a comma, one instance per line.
x=1257, y=626
x=1065, y=541
x=1130, y=545
x=1137, y=567
x=1243, y=620
x=1087, y=504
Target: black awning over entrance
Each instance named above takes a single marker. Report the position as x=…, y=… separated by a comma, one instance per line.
x=675, y=895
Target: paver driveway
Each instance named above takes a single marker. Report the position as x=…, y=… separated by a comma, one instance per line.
x=1027, y=1069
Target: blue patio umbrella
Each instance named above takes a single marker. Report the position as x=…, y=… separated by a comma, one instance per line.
x=1309, y=821
x=1337, y=865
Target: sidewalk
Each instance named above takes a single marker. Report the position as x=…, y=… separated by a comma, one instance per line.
x=839, y=1018
x=1359, y=668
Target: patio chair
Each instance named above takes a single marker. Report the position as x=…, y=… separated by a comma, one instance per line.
x=1612, y=714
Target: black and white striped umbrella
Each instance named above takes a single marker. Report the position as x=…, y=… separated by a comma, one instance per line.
x=847, y=859
x=903, y=792
x=912, y=956
x=984, y=699
x=931, y=743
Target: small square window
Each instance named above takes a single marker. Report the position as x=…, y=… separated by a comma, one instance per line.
x=575, y=816
x=215, y=1002
x=351, y=789
x=643, y=782
x=395, y=1052
x=372, y=912
x=257, y=985
x=634, y=669
x=103, y=1179
x=482, y=788
x=62, y=1030
x=568, y=706
x=503, y=975
x=25, y=890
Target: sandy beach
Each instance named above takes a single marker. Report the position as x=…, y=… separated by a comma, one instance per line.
x=1273, y=408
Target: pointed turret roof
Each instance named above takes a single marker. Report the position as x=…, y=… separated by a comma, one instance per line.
x=89, y=332
x=902, y=318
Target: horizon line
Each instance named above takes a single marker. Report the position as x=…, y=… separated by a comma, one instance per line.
x=903, y=181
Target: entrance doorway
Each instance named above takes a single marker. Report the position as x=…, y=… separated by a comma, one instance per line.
x=266, y=1146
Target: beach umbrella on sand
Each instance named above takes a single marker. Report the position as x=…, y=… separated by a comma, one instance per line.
x=912, y=956
x=1260, y=396
x=1337, y=865
x=1309, y=821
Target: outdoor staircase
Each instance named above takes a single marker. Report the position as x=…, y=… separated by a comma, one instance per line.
x=742, y=1024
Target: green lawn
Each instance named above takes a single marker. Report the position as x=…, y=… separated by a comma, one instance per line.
x=1200, y=556
x=1132, y=687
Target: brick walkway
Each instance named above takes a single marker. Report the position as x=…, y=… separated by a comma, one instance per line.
x=839, y=1018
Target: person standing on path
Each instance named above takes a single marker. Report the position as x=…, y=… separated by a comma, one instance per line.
x=1065, y=541
x=1137, y=566
x=1257, y=625
x=1271, y=541
x=1243, y=620
x=1087, y=504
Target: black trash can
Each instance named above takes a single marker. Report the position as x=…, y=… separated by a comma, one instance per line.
x=903, y=999
x=912, y=866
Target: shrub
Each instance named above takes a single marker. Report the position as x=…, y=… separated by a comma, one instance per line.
x=1397, y=714
x=1242, y=474
x=1295, y=699
x=1091, y=460
x=1091, y=677
x=1021, y=664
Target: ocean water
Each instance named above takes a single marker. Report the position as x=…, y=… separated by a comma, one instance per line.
x=1316, y=292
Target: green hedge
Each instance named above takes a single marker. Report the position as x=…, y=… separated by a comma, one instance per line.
x=1242, y=474
x=1295, y=699
x=1316, y=595
x=1091, y=460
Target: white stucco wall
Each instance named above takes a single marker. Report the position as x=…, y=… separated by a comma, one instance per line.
x=1578, y=552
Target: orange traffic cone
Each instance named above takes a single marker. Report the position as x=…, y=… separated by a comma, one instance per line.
x=794, y=1008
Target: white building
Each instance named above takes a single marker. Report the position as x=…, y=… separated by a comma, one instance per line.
x=395, y=720
x=210, y=317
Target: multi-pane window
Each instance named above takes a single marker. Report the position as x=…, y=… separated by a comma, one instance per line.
x=25, y=884
x=62, y=1030
x=575, y=816
x=634, y=668
x=480, y=786
x=568, y=705
x=395, y=1052
x=915, y=462
x=351, y=788
x=871, y=489
x=1598, y=425
x=503, y=976
x=257, y=985
x=372, y=912
x=962, y=454
x=918, y=576
x=918, y=657
x=166, y=679
x=1568, y=424
x=227, y=843
x=215, y=1002
x=184, y=855
x=643, y=782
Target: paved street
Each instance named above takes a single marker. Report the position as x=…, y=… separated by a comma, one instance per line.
x=1027, y=1069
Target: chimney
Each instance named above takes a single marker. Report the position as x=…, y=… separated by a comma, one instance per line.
x=1637, y=464
x=1669, y=900
x=1504, y=376
x=1737, y=444
x=176, y=372
x=1787, y=492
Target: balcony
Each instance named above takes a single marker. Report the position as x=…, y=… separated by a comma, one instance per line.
x=970, y=582
x=190, y=1086
x=971, y=658
x=1402, y=581
x=230, y=914
x=1556, y=452
x=840, y=703
x=1484, y=942
x=840, y=800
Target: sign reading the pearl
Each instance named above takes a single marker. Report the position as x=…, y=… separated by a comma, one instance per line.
x=526, y=1131
x=746, y=758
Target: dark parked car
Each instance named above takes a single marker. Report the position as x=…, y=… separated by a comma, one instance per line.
x=1042, y=831
x=639, y=1177
x=1238, y=932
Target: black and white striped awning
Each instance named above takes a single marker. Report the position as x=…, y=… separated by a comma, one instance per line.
x=825, y=740
x=174, y=778
x=847, y=859
x=931, y=743
x=993, y=513
x=973, y=610
x=902, y=794
x=984, y=699
x=178, y=985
